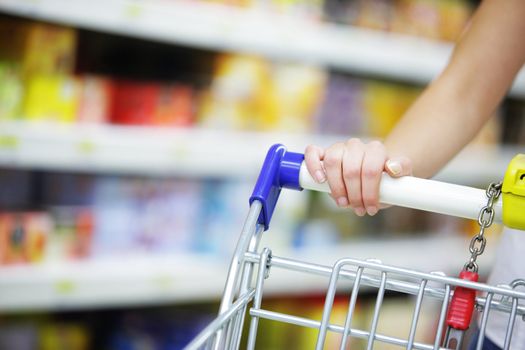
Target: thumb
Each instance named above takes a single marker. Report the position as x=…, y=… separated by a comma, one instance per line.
x=398, y=166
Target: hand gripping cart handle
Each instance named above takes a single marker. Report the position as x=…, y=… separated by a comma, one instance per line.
x=458, y=297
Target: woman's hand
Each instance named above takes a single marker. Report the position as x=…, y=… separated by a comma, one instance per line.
x=353, y=170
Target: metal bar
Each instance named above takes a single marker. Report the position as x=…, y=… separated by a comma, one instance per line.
x=398, y=285
x=263, y=265
x=442, y=315
x=232, y=281
x=510, y=325
x=484, y=320
x=226, y=333
x=375, y=319
x=351, y=308
x=238, y=322
x=415, y=317
x=329, y=301
x=217, y=324
x=305, y=322
x=247, y=274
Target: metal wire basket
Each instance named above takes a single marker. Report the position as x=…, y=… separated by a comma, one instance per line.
x=251, y=266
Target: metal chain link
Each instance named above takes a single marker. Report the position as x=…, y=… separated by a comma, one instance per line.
x=485, y=219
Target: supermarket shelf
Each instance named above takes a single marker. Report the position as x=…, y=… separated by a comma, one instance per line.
x=213, y=26
x=157, y=280
x=188, y=152
x=138, y=150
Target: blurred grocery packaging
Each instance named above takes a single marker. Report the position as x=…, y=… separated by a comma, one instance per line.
x=23, y=236
x=39, y=48
x=251, y=93
x=152, y=103
x=52, y=98
x=11, y=91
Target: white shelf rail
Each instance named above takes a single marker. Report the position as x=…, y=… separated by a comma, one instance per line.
x=276, y=36
x=157, y=280
x=189, y=152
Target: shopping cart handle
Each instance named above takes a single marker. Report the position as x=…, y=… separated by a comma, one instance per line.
x=283, y=169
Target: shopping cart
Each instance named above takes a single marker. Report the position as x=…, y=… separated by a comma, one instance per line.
x=458, y=297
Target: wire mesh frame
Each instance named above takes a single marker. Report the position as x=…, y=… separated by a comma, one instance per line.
x=225, y=331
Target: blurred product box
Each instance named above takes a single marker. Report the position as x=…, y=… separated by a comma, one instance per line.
x=23, y=236
x=18, y=335
x=298, y=90
x=385, y=104
x=73, y=234
x=95, y=100
x=11, y=91
x=434, y=19
x=63, y=335
x=138, y=103
x=52, y=98
x=251, y=93
x=39, y=48
x=145, y=215
x=239, y=94
x=342, y=109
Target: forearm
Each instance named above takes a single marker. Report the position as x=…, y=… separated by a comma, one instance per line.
x=439, y=124
x=455, y=106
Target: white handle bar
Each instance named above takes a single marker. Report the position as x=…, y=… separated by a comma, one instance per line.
x=416, y=193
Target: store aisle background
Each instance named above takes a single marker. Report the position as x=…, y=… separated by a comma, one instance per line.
x=131, y=135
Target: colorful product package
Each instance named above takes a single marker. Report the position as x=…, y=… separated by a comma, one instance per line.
x=134, y=215
x=250, y=93
x=385, y=103
x=95, y=100
x=52, y=98
x=240, y=97
x=435, y=19
x=342, y=109
x=298, y=90
x=73, y=234
x=40, y=48
x=138, y=103
x=23, y=236
x=72, y=336
x=11, y=91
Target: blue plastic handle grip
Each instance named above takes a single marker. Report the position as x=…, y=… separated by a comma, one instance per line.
x=280, y=170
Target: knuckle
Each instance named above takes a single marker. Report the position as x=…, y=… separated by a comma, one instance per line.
x=371, y=173
x=331, y=160
x=376, y=144
x=353, y=142
x=351, y=172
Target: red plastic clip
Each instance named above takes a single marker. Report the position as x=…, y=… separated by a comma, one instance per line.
x=462, y=304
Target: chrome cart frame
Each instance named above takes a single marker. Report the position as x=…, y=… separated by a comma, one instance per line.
x=251, y=266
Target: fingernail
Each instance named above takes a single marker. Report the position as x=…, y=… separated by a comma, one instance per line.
x=360, y=211
x=371, y=211
x=394, y=167
x=319, y=176
x=342, y=202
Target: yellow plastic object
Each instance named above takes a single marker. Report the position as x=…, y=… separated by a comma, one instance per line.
x=513, y=191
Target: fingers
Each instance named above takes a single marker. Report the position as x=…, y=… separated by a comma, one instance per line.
x=313, y=156
x=352, y=162
x=398, y=166
x=333, y=162
x=372, y=169
x=353, y=170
